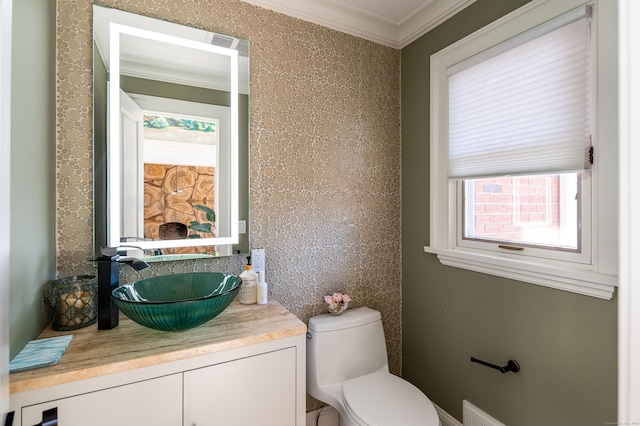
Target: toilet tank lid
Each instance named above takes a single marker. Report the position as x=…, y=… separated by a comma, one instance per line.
x=350, y=318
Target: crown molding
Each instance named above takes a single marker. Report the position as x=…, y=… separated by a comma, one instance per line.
x=428, y=18
x=368, y=26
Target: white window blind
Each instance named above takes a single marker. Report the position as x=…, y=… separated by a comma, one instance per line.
x=523, y=106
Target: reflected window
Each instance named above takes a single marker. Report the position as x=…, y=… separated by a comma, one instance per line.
x=179, y=178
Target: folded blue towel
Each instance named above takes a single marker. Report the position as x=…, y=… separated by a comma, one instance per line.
x=40, y=353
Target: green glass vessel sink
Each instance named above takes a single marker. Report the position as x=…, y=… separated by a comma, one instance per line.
x=177, y=302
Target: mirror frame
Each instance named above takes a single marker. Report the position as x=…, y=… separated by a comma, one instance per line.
x=114, y=176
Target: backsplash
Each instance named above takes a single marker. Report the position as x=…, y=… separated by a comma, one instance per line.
x=324, y=156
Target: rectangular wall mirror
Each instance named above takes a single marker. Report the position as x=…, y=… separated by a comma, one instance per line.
x=171, y=138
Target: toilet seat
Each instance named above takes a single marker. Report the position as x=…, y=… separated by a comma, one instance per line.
x=383, y=399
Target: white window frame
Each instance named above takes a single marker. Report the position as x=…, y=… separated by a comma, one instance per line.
x=599, y=277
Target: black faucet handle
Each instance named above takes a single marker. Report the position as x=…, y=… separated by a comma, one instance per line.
x=107, y=255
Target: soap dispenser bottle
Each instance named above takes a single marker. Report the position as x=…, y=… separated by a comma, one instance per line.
x=248, y=294
x=262, y=296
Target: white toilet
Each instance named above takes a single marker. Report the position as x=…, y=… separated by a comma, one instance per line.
x=347, y=368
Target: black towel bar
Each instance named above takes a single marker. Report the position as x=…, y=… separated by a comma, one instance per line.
x=511, y=365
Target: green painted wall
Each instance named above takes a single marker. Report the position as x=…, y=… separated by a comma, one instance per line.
x=32, y=247
x=565, y=343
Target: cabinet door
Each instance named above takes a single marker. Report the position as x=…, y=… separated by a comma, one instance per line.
x=258, y=390
x=151, y=402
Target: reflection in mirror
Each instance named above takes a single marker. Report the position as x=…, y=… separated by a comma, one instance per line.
x=170, y=138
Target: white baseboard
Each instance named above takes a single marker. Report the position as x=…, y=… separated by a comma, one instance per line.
x=446, y=419
x=330, y=417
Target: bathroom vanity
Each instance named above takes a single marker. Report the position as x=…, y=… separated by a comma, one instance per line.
x=244, y=367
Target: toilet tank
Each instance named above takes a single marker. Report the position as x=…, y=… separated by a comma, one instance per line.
x=343, y=347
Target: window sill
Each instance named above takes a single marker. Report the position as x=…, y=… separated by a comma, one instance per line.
x=577, y=279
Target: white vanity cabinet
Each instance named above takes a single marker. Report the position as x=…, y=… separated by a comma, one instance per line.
x=258, y=390
x=151, y=402
x=244, y=368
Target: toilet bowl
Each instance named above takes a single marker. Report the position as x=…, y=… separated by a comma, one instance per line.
x=347, y=368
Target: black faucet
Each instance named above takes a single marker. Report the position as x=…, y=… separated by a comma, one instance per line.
x=108, y=280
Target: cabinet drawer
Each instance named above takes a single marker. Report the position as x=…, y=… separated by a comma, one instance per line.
x=257, y=390
x=150, y=402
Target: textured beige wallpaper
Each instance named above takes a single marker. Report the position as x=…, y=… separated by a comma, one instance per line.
x=325, y=155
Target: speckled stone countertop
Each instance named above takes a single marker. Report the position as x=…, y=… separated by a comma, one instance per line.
x=94, y=352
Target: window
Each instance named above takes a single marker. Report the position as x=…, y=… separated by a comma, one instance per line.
x=514, y=124
x=537, y=215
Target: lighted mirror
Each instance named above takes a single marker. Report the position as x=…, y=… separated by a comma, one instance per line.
x=170, y=138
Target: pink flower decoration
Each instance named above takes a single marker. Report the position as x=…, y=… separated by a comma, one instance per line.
x=337, y=299
x=337, y=302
